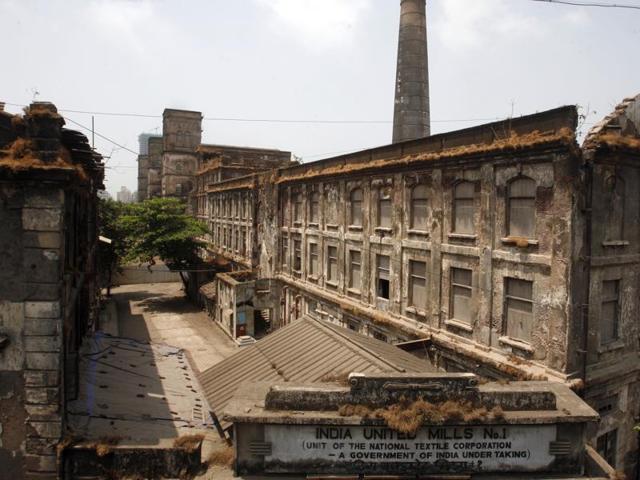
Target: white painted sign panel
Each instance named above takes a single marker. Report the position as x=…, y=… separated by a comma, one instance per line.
x=472, y=448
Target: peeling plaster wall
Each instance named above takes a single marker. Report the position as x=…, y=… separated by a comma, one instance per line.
x=568, y=258
x=613, y=369
x=484, y=252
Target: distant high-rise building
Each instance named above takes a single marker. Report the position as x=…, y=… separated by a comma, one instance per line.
x=144, y=164
x=125, y=195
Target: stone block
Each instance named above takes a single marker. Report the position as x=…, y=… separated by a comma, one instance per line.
x=41, y=463
x=41, y=395
x=41, y=326
x=42, y=220
x=50, y=343
x=42, y=309
x=52, y=430
x=41, y=265
x=40, y=378
x=41, y=198
x=43, y=291
x=42, y=361
x=43, y=413
x=42, y=239
x=41, y=476
x=41, y=446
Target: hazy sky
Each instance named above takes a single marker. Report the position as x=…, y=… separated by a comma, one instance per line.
x=306, y=60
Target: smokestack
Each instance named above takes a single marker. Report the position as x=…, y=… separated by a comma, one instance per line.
x=411, y=118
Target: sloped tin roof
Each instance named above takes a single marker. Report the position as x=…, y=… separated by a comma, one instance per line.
x=306, y=351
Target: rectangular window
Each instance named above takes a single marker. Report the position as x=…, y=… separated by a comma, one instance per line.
x=522, y=208
x=243, y=241
x=461, y=294
x=609, y=315
x=418, y=284
x=297, y=208
x=463, y=208
x=356, y=207
x=285, y=251
x=297, y=255
x=379, y=336
x=384, y=210
x=285, y=209
x=314, y=207
x=607, y=445
x=607, y=405
x=355, y=270
x=313, y=259
x=519, y=308
x=332, y=264
x=383, y=277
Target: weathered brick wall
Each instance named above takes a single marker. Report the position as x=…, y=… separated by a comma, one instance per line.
x=31, y=317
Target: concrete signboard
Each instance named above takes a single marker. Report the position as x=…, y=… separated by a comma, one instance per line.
x=463, y=448
x=529, y=428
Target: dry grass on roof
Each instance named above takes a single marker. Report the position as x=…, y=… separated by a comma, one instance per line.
x=408, y=417
x=189, y=443
x=614, y=141
x=513, y=143
x=40, y=110
x=21, y=155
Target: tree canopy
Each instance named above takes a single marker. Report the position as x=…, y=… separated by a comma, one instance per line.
x=160, y=228
x=111, y=254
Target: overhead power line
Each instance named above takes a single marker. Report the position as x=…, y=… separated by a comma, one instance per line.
x=589, y=4
x=102, y=136
x=264, y=120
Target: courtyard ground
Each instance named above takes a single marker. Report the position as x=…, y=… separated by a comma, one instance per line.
x=138, y=374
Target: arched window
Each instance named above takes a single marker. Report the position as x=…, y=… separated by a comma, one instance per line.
x=521, y=209
x=314, y=207
x=614, y=200
x=464, y=208
x=419, y=208
x=355, y=212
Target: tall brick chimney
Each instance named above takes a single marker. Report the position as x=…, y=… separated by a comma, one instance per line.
x=411, y=117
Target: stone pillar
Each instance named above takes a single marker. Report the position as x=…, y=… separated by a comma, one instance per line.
x=42, y=221
x=411, y=118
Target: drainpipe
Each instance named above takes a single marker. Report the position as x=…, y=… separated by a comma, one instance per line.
x=588, y=177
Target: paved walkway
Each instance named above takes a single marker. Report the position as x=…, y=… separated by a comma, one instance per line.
x=160, y=313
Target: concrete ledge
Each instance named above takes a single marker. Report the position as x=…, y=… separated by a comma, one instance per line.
x=157, y=461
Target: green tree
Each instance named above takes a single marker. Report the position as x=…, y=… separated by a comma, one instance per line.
x=159, y=228
x=110, y=255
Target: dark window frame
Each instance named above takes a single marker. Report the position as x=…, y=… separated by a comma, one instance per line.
x=462, y=202
x=463, y=289
x=417, y=203
x=513, y=199
x=613, y=298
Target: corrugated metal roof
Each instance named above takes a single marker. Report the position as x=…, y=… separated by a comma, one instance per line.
x=306, y=351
